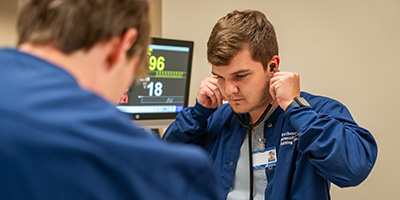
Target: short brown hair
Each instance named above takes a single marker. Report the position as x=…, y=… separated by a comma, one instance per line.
x=71, y=25
x=240, y=29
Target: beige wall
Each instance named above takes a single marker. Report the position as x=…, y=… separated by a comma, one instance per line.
x=344, y=49
x=155, y=17
x=8, y=16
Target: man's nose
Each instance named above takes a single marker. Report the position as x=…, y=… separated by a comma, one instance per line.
x=231, y=88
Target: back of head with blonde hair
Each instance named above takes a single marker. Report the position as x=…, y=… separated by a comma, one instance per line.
x=71, y=25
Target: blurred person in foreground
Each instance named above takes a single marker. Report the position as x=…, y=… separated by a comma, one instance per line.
x=61, y=136
x=314, y=139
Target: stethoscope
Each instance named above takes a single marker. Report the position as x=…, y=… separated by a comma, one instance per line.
x=249, y=128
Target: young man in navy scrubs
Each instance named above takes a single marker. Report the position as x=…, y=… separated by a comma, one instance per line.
x=61, y=136
x=314, y=139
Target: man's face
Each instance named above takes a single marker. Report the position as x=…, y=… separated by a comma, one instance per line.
x=244, y=83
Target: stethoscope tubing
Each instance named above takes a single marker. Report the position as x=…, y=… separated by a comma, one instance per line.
x=249, y=128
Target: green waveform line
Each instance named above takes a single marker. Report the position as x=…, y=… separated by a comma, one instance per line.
x=168, y=74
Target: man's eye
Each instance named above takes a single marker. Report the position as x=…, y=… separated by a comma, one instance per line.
x=241, y=75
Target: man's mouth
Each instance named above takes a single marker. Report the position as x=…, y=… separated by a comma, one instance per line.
x=235, y=100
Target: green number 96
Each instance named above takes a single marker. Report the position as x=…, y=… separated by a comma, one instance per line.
x=156, y=63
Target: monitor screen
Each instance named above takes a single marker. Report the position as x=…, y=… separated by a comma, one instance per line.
x=165, y=92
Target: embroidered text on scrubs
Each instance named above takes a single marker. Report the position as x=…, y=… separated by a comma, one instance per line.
x=289, y=138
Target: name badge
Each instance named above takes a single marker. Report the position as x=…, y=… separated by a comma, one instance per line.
x=264, y=158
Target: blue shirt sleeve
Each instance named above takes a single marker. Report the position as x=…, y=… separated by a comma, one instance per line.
x=340, y=150
x=189, y=125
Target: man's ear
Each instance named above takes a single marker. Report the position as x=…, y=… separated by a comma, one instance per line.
x=275, y=61
x=121, y=46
